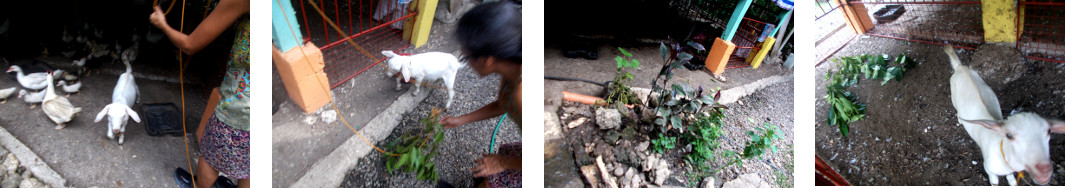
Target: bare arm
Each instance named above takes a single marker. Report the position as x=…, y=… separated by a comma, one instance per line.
x=216, y=22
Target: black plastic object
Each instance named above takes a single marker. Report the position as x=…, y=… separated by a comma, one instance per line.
x=162, y=119
x=889, y=13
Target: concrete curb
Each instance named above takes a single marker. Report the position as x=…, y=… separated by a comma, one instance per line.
x=734, y=94
x=30, y=160
x=330, y=170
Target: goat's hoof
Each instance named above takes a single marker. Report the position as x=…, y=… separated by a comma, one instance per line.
x=60, y=126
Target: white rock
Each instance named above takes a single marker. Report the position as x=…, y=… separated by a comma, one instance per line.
x=607, y=118
x=11, y=180
x=747, y=180
x=30, y=183
x=619, y=170
x=329, y=116
x=631, y=179
x=310, y=120
x=578, y=122
x=590, y=173
x=10, y=163
x=709, y=182
x=642, y=146
x=552, y=126
x=660, y=175
x=610, y=181
x=648, y=164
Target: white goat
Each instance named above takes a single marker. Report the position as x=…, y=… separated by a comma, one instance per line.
x=119, y=110
x=425, y=67
x=1020, y=143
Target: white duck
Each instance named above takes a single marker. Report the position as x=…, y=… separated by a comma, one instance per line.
x=31, y=98
x=56, y=107
x=33, y=81
x=67, y=37
x=130, y=54
x=5, y=93
x=69, y=88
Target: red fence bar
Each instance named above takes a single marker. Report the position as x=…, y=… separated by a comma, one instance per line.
x=386, y=24
x=350, y=31
x=747, y=35
x=305, y=26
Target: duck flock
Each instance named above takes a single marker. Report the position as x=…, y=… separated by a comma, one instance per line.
x=87, y=50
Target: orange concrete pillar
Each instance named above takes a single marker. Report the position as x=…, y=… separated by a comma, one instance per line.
x=719, y=54
x=300, y=79
x=857, y=17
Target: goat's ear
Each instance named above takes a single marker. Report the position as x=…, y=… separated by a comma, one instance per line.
x=405, y=70
x=102, y=113
x=1057, y=126
x=989, y=124
x=388, y=53
x=132, y=114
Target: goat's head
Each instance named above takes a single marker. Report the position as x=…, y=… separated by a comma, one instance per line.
x=117, y=115
x=398, y=64
x=1025, y=141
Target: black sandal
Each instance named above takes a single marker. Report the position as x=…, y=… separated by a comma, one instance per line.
x=183, y=178
x=223, y=182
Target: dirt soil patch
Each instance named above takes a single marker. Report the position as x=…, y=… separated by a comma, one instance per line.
x=915, y=120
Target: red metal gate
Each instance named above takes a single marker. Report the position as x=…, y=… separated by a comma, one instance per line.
x=372, y=24
x=1041, y=30
x=957, y=22
x=747, y=41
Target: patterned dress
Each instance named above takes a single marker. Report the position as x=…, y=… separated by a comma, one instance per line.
x=226, y=138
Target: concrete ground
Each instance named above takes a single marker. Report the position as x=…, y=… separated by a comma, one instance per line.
x=300, y=140
x=84, y=155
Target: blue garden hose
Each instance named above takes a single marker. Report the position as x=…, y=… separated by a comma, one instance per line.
x=492, y=146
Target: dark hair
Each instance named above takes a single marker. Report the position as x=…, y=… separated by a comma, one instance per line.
x=491, y=29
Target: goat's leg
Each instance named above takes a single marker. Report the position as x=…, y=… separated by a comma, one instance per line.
x=121, y=137
x=1010, y=179
x=110, y=133
x=398, y=83
x=993, y=178
x=450, y=83
x=417, y=86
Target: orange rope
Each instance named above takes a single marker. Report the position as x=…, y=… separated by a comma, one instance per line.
x=156, y=2
x=181, y=80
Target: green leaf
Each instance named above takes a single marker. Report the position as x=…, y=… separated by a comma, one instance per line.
x=403, y=159
x=675, y=121
x=660, y=121
x=683, y=56
x=626, y=53
x=635, y=63
x=620, y=61
x=663, y=51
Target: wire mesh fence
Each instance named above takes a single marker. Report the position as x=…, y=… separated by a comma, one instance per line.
x=832, y=32
x=957, y=22
x=375, y=25
x=1042, y=32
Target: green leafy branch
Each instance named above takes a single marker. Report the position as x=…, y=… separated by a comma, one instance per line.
x=844, y=108
x=620, y=91
x=413, y=153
